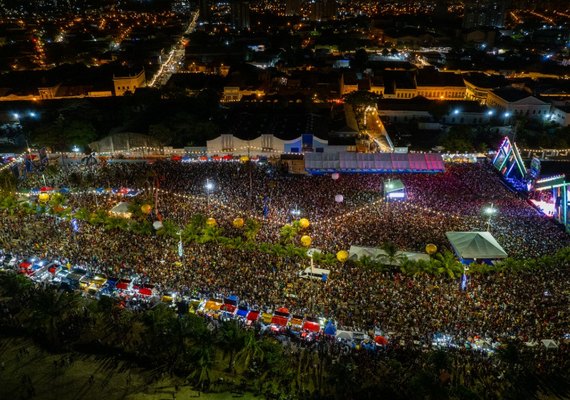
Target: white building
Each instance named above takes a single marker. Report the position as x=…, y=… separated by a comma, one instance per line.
x=560, y=115
x=270, y=145
x=514, y=102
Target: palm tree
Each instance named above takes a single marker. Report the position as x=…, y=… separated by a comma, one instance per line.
x=287, y=234
x=113, y=223
x=131, y=331
x=391, y=257
x=12, y=285
x=198, y=220
x=202, y=357
x=191, y=233
x=56, y=199
x=325, y=258
x=51, y=312
x=250, y=351
x=141, y=228
x=82, y=214
x=251, y=229
x=231, y=339
x=169, y=229
x=210, y=234
x=98, y=217
x=9, y=203
x=446, y=263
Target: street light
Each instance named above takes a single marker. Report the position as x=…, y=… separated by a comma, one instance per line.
x=490, y=211
x=507, y=115
x=490, y=113
x=209, y=187
x=295, y=212
x=389, y=185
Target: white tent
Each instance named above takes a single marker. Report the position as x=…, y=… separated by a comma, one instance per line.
x=121, y=210
x=377, y=254
x=549, y=343
x=476, y=245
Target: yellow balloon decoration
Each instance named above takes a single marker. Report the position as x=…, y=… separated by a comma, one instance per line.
x=44, y=197
x=238, y=223
x=306, y=240
x=211, y=222
x=342, y=255
x=431, y=248
x=304, y=223
x=146, y=208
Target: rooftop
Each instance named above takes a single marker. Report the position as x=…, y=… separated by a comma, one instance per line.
x=511, y=94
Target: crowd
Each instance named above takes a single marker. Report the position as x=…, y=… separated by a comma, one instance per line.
x=451, y=201
x=529, y=305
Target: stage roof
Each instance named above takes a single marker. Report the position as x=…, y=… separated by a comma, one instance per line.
x=393, y=185
x=476, y=245
x=318, y=163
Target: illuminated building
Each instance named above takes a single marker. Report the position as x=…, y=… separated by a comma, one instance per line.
x=240, y=14
x=293, y=7
x=515, y=102
x=129, y=83
x=484, y=13
x=407, y=84
x=204, y=9
x=323, y=10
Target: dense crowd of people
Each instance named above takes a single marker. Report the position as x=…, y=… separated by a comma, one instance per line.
x=436, y=203
x=528, y=305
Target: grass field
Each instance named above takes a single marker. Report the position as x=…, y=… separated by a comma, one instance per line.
x=29, y=372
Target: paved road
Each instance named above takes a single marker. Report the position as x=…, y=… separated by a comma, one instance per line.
x=175, y=58
x=376, y=130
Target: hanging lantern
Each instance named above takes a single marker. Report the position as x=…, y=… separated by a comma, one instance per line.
x=157, y=225
x=339, y=198
x=335, y=176
x=238, y=223
x=44, y=197
x=431, y=248
x=342, y=256
x=304, y=223
x=146, y=208
x=306, y=240
x=211, y=222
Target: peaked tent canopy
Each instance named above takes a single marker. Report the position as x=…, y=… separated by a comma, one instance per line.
x=476, y=245
x=549, y=343
x=121, y=210
x=377, y=254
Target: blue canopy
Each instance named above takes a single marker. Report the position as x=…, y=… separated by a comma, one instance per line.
x=64, y=190
x=330, y=328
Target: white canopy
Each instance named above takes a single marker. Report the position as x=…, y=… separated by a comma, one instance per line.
x=549, y=343
x=476, y=245
x=121, y=209
x=377, y=254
